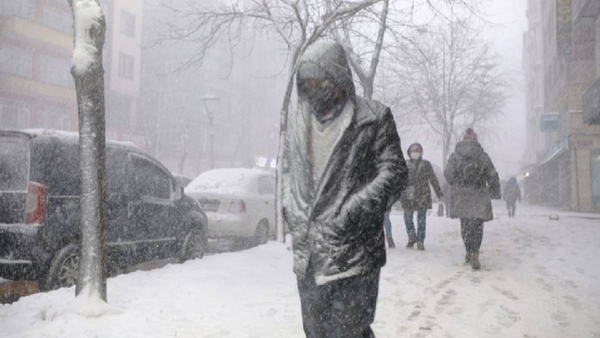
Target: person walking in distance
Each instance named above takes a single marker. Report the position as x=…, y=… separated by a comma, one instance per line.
x=387, y=222
x=512, y=194
x=474, y=182
x=417, y=196
x=342, y=168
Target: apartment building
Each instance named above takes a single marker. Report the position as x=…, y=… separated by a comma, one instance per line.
x=561, y=64
x=36, y=87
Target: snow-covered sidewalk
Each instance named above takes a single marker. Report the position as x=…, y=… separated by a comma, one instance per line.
x=540, y=278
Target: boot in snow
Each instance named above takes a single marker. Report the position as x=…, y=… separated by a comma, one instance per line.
x=391, y=243
x=420, y=246
x=475, y=261
x=411, y=244
x=468, y=258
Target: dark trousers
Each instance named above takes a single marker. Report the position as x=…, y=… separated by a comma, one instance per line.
x=340, y=309
x=472, y=233
x=421, y=224
x=511, y=206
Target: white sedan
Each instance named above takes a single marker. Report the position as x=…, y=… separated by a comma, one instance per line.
x=239, y=203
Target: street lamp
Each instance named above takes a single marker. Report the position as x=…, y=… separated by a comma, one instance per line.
x=211, y=133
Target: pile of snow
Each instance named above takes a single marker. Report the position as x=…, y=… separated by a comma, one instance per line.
x=87, y=14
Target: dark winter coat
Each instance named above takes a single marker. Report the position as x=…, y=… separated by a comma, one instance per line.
x=474, y=182
x=512, y=191
x=337, y=222
x=417, y=195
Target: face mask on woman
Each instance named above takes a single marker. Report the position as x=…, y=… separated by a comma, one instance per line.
x=415, y=155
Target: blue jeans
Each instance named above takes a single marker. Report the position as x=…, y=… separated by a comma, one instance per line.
x=387, y=224
x=410, y=225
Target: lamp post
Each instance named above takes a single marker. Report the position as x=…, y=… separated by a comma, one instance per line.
x=211, y=132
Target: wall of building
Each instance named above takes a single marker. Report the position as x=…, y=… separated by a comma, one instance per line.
x=36, y=43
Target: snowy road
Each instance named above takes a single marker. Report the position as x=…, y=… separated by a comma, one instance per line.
x=540, y=279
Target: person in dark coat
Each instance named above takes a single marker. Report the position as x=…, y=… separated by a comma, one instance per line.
x=512, y=194
x=417, y=196
x=474, y=182
x=342, y=169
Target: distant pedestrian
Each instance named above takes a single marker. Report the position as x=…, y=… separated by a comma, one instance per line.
x=342, y=169
x=417, y=195
x=512, y=194
x=447, y=196
x=388, y=229
x=474, y=183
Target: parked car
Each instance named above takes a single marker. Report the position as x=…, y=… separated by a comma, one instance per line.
x=149, y=216
x=182, y=180
x=239, y=203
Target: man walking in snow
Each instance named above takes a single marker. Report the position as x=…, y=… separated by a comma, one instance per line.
x=342, y=169
x=474, y=183
x=512, y=194
x=417, y=196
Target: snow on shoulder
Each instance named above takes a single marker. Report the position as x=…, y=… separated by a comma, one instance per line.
x=87, y=14
x=224, y=180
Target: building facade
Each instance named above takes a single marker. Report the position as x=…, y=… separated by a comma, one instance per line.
x=36, y=87
x=561, y=64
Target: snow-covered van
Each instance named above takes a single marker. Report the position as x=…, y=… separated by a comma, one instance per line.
x=149, y=215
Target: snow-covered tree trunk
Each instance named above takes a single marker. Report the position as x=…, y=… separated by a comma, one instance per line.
x=88, y=73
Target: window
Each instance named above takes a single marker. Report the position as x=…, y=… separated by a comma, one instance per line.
x=15, y=60
x=266, y=186
x=150, y=180
x=56, y=71
x=54, y=118
x=127, y=27
x=126, y=66
x=22, y=8
x=14, y=114
x=57, y=19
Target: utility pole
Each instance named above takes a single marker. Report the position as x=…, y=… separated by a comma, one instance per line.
x=211, y=131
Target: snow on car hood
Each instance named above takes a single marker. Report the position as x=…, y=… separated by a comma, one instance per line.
x=224, y=181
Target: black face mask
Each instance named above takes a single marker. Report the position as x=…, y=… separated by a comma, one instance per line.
x=322, y=100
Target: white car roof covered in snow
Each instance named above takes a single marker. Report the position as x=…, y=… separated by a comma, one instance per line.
x=69, y=135
x=224, y=181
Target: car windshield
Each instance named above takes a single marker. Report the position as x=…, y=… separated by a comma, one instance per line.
x=221, y=181
x=14, y=163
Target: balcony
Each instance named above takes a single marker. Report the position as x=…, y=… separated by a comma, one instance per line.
x=591, y=104
x=586, y=9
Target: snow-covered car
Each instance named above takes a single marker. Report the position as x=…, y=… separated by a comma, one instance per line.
x=149, y=216
x=239, y=203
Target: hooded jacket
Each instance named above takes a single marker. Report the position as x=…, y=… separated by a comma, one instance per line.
x=512, y=191
x=336, y=220
x=417, y=196
x=471, y=197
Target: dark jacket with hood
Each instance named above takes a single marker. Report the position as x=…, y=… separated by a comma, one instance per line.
x=474, y=182
x=336, y=221
x=417, y=195
x=512, y=192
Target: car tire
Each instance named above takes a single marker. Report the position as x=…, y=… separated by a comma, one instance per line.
x=193, y=246
x=261, y=235
x=64, y=269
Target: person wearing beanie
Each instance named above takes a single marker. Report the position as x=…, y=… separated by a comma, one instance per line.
x=342, y=169
x=417, y=196
x=474, y=182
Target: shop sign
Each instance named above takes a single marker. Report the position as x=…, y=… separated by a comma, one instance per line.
x=564, y=27
x=550, y=122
